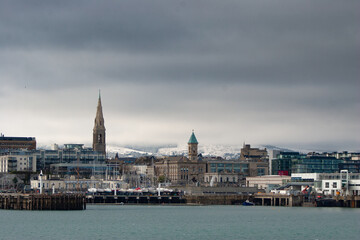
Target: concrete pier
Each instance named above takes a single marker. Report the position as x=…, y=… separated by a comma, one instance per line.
x=17, y=201
x=278, y=200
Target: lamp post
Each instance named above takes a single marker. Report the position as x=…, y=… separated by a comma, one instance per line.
x=41, y=174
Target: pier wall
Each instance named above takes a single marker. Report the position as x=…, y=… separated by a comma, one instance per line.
x=217, y=199
x=42, y=201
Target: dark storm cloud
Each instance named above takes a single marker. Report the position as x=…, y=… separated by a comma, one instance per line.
x=261, y=42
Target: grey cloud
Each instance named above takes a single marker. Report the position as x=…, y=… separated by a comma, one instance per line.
x=225, y=66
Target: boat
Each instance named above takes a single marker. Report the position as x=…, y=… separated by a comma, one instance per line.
x=248, y=203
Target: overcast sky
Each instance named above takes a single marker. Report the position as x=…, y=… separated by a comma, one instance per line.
x=285, y=73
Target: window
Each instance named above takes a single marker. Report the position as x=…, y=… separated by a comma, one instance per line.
x=261, y=171
x=327, y=184
x=220, y=167
x=334, y=184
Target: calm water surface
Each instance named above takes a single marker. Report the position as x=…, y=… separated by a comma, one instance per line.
x=182, y=222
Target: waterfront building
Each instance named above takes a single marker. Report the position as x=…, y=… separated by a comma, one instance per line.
x=221, y=172
x=338, y=183
x=226, y=172
x=315, y=164
x=264, y=182
x=99, y=139
x=179, y=170
x=294, y=162
x=35, y=160
x=11, y=143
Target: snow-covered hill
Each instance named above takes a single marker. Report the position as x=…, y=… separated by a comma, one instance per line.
x=218, y=150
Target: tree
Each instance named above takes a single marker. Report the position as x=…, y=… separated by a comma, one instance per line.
x=161, y=179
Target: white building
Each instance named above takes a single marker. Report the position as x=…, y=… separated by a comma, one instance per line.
x=263, y=182
x=342, y=183
x=331, y=187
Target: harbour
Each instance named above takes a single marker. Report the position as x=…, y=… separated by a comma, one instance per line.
x=182, y=222
x=19, y=201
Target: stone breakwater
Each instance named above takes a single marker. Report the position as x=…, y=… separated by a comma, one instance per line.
x=18, y=201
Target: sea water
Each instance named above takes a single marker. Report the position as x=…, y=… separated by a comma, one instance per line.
x=182, y=222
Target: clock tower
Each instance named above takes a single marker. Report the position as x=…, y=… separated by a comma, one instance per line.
x=193, y=147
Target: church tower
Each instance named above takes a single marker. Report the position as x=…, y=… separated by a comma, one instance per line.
x=193, y=147
x=99, y=130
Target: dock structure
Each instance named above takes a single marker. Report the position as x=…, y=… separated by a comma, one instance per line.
x=182, y=199
x=339, y=201
x=17, y=201
x=133, y=199
x=217, y=199
x=278, y=200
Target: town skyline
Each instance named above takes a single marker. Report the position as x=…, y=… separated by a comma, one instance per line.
x=282, y=74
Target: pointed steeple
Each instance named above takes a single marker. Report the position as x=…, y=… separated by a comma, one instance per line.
x=99, y=119
x=99, y=143
x=193, y=138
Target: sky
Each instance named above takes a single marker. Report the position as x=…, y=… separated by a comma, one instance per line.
x=280, y=72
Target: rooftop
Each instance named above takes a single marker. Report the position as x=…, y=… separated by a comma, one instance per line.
x=193, y=138
x=3, y=138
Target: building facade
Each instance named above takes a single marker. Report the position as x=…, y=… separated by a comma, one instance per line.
x=294, y=162
x=18, y=161
x=179, y=170
x=263, y=182
x=36, y=160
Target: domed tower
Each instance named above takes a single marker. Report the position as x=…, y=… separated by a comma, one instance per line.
x=99, y=143
x=193, y=147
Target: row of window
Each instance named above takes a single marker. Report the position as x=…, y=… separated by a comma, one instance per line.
x=327, y=185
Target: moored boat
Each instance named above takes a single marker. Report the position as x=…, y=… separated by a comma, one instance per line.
x=248, y=203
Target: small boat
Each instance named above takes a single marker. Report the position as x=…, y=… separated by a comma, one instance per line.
x=248, y=203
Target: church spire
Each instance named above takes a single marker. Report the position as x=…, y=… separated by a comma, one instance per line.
x=99, y=119
x=99, y=129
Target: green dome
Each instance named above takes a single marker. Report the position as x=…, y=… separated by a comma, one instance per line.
x=193, y=138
